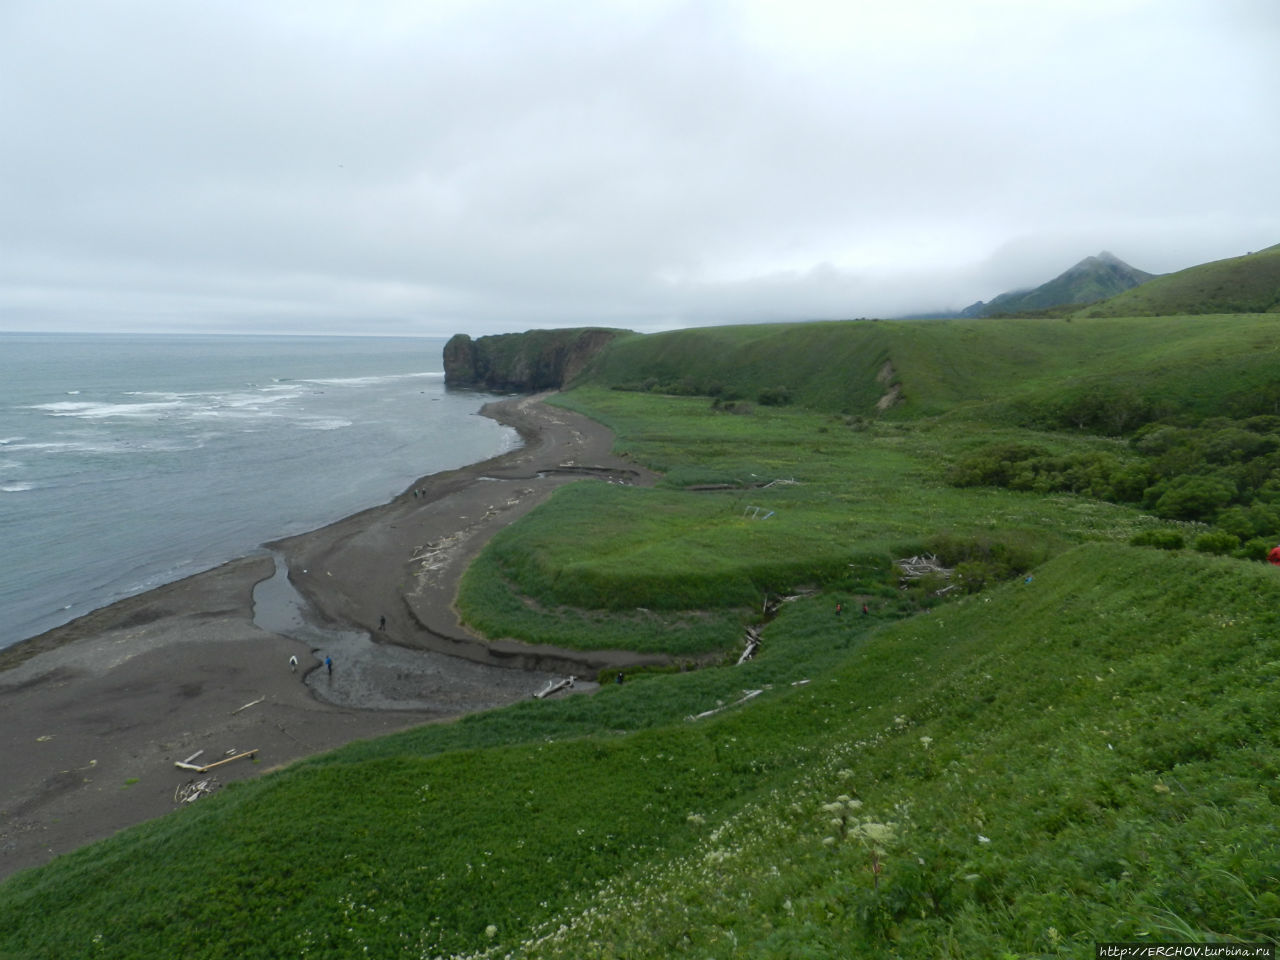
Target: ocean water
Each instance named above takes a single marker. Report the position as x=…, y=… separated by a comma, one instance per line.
x=129, y=461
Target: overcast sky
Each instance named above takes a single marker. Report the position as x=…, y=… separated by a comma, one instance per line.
x=434, y=167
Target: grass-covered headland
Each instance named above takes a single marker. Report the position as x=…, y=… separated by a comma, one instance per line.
x=1076, y=742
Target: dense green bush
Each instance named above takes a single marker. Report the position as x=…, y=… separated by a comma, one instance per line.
x=1161, y=539
x=1209, y=470
x=1106, y=408
x=982, y=560
x=1193, y=498
x=1256, y=548
x=774, y=396
x=1216, y=541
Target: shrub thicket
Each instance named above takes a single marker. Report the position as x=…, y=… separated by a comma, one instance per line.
x=1216, y=470
x=1160, y=539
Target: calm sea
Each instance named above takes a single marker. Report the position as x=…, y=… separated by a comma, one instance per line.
x=130, y=461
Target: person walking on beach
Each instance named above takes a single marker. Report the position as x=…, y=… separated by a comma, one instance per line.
x=382, y=623
x=328, y=664
x=293, y=664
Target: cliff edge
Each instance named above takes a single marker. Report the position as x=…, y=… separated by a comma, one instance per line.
x=523, y=362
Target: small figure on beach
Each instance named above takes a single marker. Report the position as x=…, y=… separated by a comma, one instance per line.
x=382, y=623
x=293, y=664
x=328, y=664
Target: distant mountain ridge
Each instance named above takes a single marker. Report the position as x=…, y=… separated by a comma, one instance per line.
x=1089, y=281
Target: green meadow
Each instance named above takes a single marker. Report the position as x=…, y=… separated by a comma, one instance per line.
x=1069, y=738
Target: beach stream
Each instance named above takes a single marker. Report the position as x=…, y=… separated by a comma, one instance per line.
x=382, y=675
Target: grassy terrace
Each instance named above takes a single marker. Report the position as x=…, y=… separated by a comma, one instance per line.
x=699, y=562
x=1018, y=771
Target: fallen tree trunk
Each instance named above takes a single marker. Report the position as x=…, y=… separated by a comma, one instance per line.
x=209, y=766
x=555, y=686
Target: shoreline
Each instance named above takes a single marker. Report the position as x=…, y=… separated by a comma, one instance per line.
x=98, y=709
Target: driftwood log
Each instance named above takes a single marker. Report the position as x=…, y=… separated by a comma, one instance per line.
x=914, y=568
x=193, y=790
x=554, y=686
x=184, y=765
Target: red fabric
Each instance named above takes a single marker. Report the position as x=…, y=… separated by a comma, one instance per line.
x=1274, y=556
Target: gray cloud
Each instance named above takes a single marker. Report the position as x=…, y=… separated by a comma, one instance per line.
x=425, y=168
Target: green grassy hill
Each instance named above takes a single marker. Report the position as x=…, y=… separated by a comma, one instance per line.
x=1248, y=284
x=1076, y=743
x=1012, y=370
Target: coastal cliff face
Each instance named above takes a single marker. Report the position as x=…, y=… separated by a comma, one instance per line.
x=522, y=362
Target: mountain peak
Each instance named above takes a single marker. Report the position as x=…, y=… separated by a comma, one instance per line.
x=1092, y=279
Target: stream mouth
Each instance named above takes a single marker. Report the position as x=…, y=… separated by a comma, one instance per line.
x=278, y=607
x=383, y=676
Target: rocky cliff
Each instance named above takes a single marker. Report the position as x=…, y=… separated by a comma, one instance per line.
x=523, y=362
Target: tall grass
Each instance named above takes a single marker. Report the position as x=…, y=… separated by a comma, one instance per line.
x=1039, y=769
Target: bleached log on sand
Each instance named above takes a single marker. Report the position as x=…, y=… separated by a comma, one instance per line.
x=555, y=686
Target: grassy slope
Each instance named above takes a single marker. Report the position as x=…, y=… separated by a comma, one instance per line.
x=1107, y=726
x=1061, y=763
x=828, y=365
x=1196, y=363
x=1248, y=284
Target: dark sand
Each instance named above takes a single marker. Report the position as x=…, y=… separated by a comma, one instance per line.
x=96, y=712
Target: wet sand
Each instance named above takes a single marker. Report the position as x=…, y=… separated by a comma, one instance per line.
x=97, y=711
